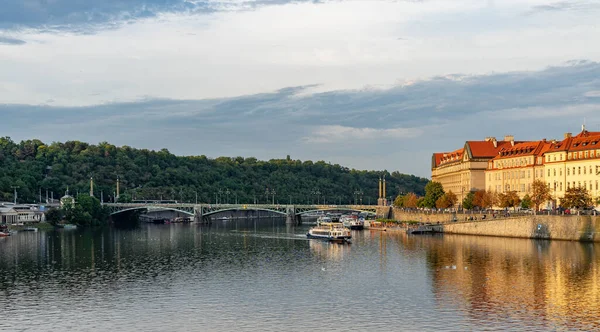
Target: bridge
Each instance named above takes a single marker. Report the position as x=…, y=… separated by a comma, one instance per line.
x=200, y=212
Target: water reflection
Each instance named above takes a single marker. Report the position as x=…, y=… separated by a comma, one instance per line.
x=551, y=284
x=266, y=270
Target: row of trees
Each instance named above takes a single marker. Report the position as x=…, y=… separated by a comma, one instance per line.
x=435, y=197
x=34, y=167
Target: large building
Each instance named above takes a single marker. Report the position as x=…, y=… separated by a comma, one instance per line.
x=463, y=170
x=513, y=166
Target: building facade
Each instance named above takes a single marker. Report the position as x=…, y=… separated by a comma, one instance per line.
x=513, y=166
x=463, y=170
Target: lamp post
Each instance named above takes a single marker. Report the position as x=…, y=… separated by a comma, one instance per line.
x=227, y=192
x=317, y=193
x=196, y=197
x=356, y=193
x=15, y=193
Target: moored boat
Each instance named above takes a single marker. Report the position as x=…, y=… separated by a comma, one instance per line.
x=332, y=231
x=30, y=229
x=323, y=219
x=4, y=234
x=353, y=222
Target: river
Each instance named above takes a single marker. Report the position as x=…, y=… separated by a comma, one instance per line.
x=264, y=275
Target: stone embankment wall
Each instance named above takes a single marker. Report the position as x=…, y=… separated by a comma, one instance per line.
x=572, y=228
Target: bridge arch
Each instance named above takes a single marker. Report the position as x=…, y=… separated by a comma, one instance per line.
x=152, y=209
x=209, y=213
x=334, y=209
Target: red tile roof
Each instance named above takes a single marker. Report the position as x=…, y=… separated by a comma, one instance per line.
x=486, y=149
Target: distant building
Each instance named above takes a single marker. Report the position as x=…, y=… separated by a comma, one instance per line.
x=463, y=170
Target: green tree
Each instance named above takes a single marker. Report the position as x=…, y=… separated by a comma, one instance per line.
x=399, y=201
x=526, y=202
x=54, y=216
x=467, y=202
x=433, y=191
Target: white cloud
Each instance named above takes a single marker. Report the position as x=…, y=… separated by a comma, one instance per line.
x=532, y=113
x=338, y=134
x=338, y=44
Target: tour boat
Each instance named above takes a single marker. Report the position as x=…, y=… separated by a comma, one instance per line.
x=332, y=231
x=3, y=234
x=353, y=222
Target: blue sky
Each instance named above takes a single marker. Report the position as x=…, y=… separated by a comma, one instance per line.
x=378, y=84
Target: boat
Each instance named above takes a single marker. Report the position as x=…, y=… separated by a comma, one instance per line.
x=323, y=219
x=30, y=229
x=4, y=234
x=332, y=231
x=66, y=226
x=353, y=222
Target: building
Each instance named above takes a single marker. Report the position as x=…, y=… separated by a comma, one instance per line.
x=573, y=162
x=516, y=167
x=463, y=170
x=513, y=166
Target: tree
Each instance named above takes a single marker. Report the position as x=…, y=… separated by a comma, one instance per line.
x=509, y=199
x=54, y=216
x=467, y=202
x=433, y=192
x=447, y=200
x=526, y=202
x=399, y=201
x=411, y=200
x=484, y=199
x=576, y=197
x=540, y=193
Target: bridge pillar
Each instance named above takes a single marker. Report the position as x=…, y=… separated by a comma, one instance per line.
x=291, y=217
x=198, y=215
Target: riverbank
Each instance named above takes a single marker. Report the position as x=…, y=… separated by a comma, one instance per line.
x=40, y=226
x=569, y=228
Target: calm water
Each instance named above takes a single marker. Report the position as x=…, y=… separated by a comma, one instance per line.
x=266, y=276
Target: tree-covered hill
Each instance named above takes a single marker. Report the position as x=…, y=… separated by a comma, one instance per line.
x=35, y=167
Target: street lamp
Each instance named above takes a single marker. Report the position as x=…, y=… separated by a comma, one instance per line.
x=316, y=192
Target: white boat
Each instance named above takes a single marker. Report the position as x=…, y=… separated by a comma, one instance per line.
x=353, y=222
x=30, y=229
x=323, y=219
x=332, y=231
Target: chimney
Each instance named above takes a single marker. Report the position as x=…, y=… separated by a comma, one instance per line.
x=568, y=135
x=493, y=140
x=510, y=138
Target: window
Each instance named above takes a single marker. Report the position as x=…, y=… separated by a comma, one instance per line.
x=554, y=158
x=578, y=183
x=522, y=187
x=573, y=170
x=596, y=184
x=579, y=170
x=568, y=185
x=592, y=154
x=580, y=154
x=529, y=187
x=586, y=154
x=529, y=173
x=590, y=169
x=568, y=171
x=584, y=170
x=560, y=171
x=561, y=186
x=569, y=156
x=548, y=172
x=554, y=171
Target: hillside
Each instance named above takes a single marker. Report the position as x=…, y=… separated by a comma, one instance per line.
x=144, y=174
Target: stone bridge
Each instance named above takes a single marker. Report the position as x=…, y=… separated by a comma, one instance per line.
x=293, y=213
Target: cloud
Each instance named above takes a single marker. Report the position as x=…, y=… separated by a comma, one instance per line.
x=579, y=5
x=358, y=128
x=11, y=41
x=337, y=134
x=90, y=16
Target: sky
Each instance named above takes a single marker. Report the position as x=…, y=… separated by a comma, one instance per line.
x=377, y=84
